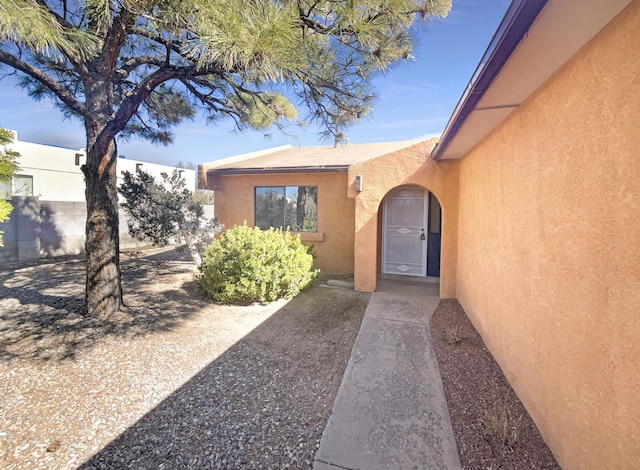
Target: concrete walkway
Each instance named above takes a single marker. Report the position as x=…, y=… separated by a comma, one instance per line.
x=390, y=411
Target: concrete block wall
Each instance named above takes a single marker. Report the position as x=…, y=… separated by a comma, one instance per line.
x=21, y=231
x=45, y=229
x=62, y=226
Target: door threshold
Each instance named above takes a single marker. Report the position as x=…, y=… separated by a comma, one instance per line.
x=402, y=277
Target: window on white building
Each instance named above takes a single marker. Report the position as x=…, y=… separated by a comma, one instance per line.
x=20, y=185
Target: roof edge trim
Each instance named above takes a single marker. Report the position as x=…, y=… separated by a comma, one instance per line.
x=514, y=25
x=281, y=170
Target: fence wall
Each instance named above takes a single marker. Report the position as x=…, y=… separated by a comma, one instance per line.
x=45, y=229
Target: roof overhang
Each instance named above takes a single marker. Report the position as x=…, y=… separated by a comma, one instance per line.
x=534, y=39
x=279, y=170
x=319, y=159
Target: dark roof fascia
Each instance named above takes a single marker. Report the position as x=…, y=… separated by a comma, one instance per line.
x=283, y=170
x=516, y=22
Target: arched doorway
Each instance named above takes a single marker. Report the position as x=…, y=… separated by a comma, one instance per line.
x=411, y=232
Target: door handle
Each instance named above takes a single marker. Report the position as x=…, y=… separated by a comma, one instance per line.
x=422, y=234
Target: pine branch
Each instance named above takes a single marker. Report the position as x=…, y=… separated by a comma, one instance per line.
x=62, y=93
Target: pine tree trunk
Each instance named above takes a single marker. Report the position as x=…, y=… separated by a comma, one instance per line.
x=103, y=296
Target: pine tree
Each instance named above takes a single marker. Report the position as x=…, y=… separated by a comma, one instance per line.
x=138, y=67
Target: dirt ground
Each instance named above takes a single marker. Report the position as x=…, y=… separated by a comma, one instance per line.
x=178, y=382
x=491, y=426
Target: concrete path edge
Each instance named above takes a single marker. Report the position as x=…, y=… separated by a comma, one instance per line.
x=390, y=411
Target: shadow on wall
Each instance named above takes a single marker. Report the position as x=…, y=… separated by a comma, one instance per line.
x=47, y=229
x=50, y=236
x=34, y=230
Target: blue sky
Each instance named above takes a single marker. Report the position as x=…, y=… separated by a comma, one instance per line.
x=415, y=99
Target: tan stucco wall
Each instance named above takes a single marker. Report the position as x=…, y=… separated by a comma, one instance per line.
x=235, y=204
x=548, y=265
x=410, y=166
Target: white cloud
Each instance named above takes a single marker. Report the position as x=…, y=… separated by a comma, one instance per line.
x=427, y=136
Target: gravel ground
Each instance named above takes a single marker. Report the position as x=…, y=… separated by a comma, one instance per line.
x=491, y=426
x=177, y=382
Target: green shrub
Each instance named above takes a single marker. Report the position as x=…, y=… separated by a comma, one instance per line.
x=248, y=264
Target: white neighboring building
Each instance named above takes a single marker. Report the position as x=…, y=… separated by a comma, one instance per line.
x=53, y=173
x=48, y=196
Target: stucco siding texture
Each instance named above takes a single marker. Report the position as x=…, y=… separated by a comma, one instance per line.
x=235, y=205
x=548, y=259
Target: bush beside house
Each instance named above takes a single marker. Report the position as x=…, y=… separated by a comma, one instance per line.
x=248, y=264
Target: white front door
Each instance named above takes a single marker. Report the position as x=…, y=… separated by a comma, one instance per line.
x=404, y=248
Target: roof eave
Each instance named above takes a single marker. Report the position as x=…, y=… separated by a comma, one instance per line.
x=516, y=22
x=279, y=170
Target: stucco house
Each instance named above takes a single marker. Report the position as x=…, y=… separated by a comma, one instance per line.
x=314, y=191
x=537, y=177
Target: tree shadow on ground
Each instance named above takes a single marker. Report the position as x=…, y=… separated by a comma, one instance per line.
x=41, y=309
x=262, y=404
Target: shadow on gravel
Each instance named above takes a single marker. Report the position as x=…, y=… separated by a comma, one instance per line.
x=262, y=404
x=41, y=308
